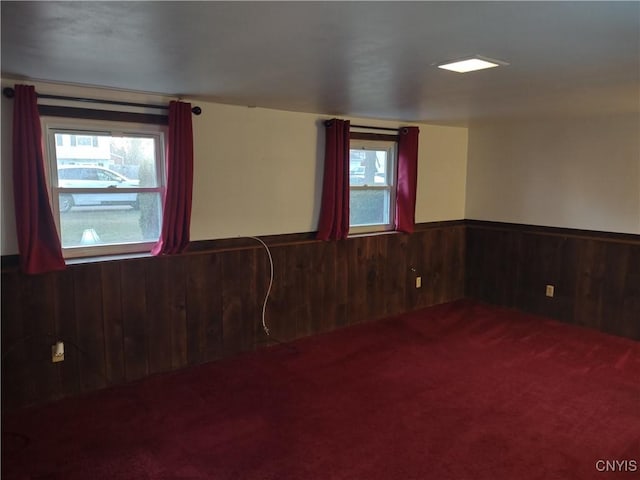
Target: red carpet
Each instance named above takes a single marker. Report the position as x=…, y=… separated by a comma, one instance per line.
x=457, y=391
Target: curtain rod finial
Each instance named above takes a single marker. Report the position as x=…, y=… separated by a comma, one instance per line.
x=8, y=92
x=196, y=110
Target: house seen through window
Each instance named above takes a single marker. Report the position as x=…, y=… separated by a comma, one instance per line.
x=105, y=188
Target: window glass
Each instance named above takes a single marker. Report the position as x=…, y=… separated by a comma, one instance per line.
x=106, y=199
x=372, y=185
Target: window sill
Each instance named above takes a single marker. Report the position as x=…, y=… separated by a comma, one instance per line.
x=371, y=234
x=107, y=258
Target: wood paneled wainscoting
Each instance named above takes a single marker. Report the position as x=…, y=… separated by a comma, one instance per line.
x=123, y=320
x=596, y=275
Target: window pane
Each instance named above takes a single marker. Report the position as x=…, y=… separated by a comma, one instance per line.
x=368, y=167
x=368, y=207
x=117, y=218
x=103, y=161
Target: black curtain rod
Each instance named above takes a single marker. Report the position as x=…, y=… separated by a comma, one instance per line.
x=377, y=128
x=384, y=129
x=10, y=93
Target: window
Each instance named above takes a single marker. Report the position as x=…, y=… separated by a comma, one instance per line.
x=105, y=200
x=84, y=140
x=372, y=184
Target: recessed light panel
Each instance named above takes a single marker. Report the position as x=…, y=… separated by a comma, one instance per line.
x=470, y=65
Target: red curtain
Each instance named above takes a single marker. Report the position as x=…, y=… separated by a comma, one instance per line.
x=176, y=219
x=334, y=210
x=38, y=241
x=407, y=179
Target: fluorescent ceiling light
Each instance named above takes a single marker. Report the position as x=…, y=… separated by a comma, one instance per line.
x=471, y=64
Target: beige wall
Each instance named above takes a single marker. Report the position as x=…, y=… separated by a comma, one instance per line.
x=259, y=171
x=577, y=172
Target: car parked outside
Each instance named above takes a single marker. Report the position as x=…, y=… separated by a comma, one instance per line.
x=93, y=177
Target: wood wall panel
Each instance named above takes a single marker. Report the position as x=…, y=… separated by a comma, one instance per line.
x=492, y=266
x=114, y=324
x=90, y=325
x=596, y=275
x=159, y=314
x=15, y=358
x=127, y=319
x=203, y=308
x=339, y=291
x=39, y=297
x=136, y=334
x=124, y=320
x=239, y=301
x=398, y=274
x=65, y=326
x=631, y=296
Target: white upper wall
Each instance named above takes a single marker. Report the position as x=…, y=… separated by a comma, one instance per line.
x=579, y=173
x=259, y=171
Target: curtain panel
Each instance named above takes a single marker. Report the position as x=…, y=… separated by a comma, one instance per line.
x=38, y=240
x=176, y=220
x=334, y=210
x=407, y=179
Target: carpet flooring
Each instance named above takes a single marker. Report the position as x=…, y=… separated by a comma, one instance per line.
x=457, y=391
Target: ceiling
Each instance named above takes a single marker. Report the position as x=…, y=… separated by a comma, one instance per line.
x=368, y=59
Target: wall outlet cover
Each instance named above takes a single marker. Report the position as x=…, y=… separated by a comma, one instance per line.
x=55, y=358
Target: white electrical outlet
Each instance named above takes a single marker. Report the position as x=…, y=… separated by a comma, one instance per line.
x=418, y=282
x=57, y=352
x=550, y=290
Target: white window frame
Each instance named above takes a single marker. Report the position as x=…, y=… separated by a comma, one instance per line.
x=391, y=168
x=81, y=127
